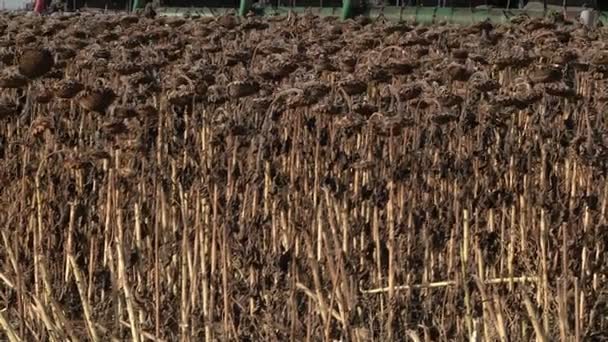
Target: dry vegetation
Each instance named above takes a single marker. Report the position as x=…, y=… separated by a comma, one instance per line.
x=300, y=178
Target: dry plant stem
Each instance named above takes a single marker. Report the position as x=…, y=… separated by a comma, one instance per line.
x=157, y=266
x=225, y=290
x=336, y=269
x=577, y=311
x=562, y=307
x=319, y=234
x=6, y=281
x=464, y=256
x=331, y=305
x=204, y=250
x=501, y=326
x=345, y=287
x=323, y=309
x=140, y=248
x=85, y=303
x=544, y=282
x=185, y=274
x=335, y=266
x=37, y=235
x=14, y=262
x=446, y=283
x=487, y=312
x=124, y=283
x=10, y=332
x=489, y=306
x=308, y=319
x=391, y=255
x=378, y=249
x=11, y=257
x=213, y=253
x=107, y=222
x=214, y=228
x=538, y=329
x=69, y=243
x=52, y=330
x=413, y=335
x=56, y=309
x=195, y=283
x=293, y=312
x=315, y=192
x=110, y=241
x=313, y=296
x=20, y=285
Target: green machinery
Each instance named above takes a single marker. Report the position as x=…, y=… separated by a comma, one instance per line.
x=399, y=11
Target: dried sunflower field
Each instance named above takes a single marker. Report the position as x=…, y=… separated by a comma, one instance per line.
x=298, y=178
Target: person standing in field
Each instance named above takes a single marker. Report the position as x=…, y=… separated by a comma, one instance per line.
x=40, y=6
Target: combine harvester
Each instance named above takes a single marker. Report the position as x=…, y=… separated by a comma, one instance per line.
x=421, y=11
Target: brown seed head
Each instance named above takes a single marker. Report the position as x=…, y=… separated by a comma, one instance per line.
x=35, y=62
